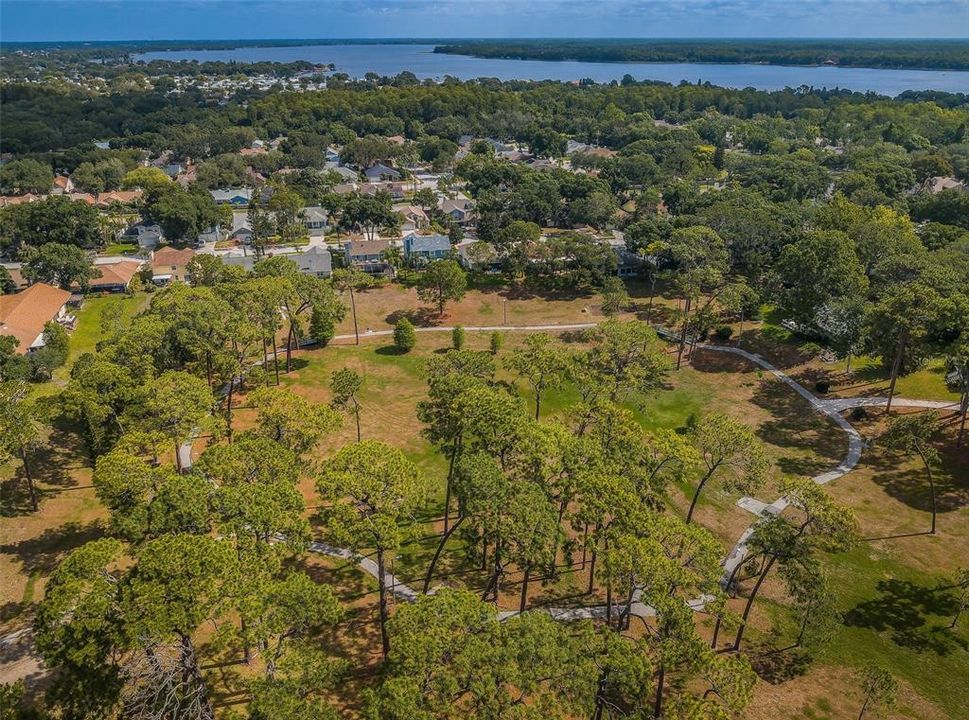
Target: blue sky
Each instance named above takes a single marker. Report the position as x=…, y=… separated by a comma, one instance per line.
x=23, y=20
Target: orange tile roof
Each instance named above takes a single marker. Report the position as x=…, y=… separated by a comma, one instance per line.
x=121, y=196
x=24, y=314
x=169, y=256
x=116, y=273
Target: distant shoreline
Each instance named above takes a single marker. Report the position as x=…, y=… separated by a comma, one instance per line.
x=876, y=54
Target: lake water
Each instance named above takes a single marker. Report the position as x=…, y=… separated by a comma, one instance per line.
x=356, y=60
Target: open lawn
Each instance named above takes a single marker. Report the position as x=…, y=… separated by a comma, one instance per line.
x=891, y=590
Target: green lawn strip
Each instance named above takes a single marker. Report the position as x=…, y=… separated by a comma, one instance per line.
x=898, y=617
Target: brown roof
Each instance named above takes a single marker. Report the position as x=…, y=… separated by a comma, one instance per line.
x=121, y=196
x=61, y=181
x=18, y=199
x=115, y=273
x=24, y=315
x=169, y=256
x=368, y=247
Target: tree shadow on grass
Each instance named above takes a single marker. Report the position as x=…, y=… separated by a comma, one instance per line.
x=903, y=609
x=911, y=485
x=44, y=552
x=795, y=425
x=777, y=666
x=390, y=350
x=712, y=361
x=421, y=317
x=51, y=466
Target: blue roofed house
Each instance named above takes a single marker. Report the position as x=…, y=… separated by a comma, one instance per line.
x=424, y=248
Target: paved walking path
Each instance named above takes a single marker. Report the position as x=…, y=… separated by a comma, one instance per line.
x=830, y=407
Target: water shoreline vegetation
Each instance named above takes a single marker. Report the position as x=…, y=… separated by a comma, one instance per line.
x=908, y=54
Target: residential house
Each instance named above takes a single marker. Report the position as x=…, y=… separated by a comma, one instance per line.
x=629, y=262
x=231, y=196
x=396, y=190
x=125, y=197
x=62, y=185
x=148, y=235
x=573, y=147
x=82, y=197
x=188, y=176
x=16, y=276
x=8, y=200
x=344, y=172
x=25, y=314
x=315, y=260
x=209, y=236
x=331, y=155
x=477, y=255
x=420, y=249
x=241, y=230
x=459, y=209
x=169, y=264
x=315, y=219
x=412, y=218
x=367, y=255
x=116, y=274
x=378, y=172
x=935, y=185
x=173, y=170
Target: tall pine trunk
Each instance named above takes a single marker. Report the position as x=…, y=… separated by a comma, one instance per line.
x=750, y=602
x=353, y=311
x=192, y=675
x=437, y=553
x=275, y=359
x=686, y=325
x=896, y=369
x=524, y=596
x=660, y=682
x=31, y=488
x=928, y=470
x=382, y=584
x=696, y=495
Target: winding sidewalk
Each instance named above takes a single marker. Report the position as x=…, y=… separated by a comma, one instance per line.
x=829, y=407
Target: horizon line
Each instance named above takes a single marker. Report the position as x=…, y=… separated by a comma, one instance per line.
x=417, y=40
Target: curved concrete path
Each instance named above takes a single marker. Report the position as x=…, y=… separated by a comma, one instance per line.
x=829, y=407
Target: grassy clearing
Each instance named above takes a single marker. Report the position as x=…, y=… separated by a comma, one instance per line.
x=889, y=589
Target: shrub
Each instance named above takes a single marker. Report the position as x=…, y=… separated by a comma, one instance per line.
x=859, y=413
x=321, y=327
x=496, y=341
x=822, y=386
x=723, y=333
x=458, y=337
x=405, y=337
